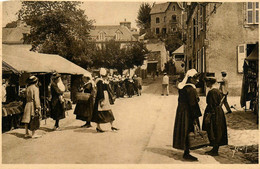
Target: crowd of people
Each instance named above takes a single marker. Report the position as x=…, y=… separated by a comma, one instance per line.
x=98, y=94
x=125, y=85
x=93, y=106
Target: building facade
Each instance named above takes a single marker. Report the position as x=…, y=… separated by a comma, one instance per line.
x=158, y=55
x=166, y=17
x=122, y=34
x=219, y=36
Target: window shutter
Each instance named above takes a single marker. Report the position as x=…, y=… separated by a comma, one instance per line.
x=203, y=59
x=199, y=61
x=198, y=17
x=241, y=50
x=257, y=12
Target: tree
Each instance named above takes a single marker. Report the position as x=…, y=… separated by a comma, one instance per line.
x=138, y=52
x=111, y=55
x=58, y=27
x=173, y=41
x=143, y=19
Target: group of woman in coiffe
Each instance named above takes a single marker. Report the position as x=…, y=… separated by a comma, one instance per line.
x=96, y=109
x=188, y=113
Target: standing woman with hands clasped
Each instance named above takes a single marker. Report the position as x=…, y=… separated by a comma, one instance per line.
x=214, y=121
x=187, y=114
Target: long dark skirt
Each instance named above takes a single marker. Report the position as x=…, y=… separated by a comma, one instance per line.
x=182, y=127
x=130, y=89
x=84, y=110
x=103, y=116
x=57, y=110
x=217, y=128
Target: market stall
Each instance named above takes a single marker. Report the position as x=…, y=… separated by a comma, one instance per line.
x=18, y=61
x=250, y=83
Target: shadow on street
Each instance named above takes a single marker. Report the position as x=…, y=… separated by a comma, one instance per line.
x=166, y=152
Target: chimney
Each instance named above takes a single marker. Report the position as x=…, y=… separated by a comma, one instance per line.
x=125, y=23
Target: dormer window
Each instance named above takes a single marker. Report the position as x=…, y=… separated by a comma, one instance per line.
x=118, y=35
x=101, y=36
x=173, y=7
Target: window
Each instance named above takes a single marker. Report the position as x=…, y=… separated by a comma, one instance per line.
x=157, y=20
x=173, y=7
x=101, y=36
x=164, y=30
x=174, y=29
x=174, y=18
x=157, y=30
x=249, y=12
x=118, y=35
x=252, y=12
x=164, y=19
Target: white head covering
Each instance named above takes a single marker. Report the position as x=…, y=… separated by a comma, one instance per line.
x=190, y=73
x=103, y=72
x=61, y=85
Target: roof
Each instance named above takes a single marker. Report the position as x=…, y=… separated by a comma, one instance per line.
x=14, y=35
x=159, y=8
x=162, y=7
x=7, y=69
x=179, y=50
x=110, y=31
x=23, y=60
x=154, y=47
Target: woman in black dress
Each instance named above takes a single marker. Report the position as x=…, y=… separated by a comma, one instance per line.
x=102, y=110
x=187, y=114
x=84, y=108
x=214, y=121
x=57, y=101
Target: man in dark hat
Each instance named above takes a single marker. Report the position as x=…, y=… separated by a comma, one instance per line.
x=224, y=91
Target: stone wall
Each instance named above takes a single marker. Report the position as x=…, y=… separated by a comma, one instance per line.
x=226, y=29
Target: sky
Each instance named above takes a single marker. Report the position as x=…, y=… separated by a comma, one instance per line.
x=104, y=13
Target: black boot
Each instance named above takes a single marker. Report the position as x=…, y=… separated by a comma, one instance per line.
x=189, y=157
x=214, y=151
